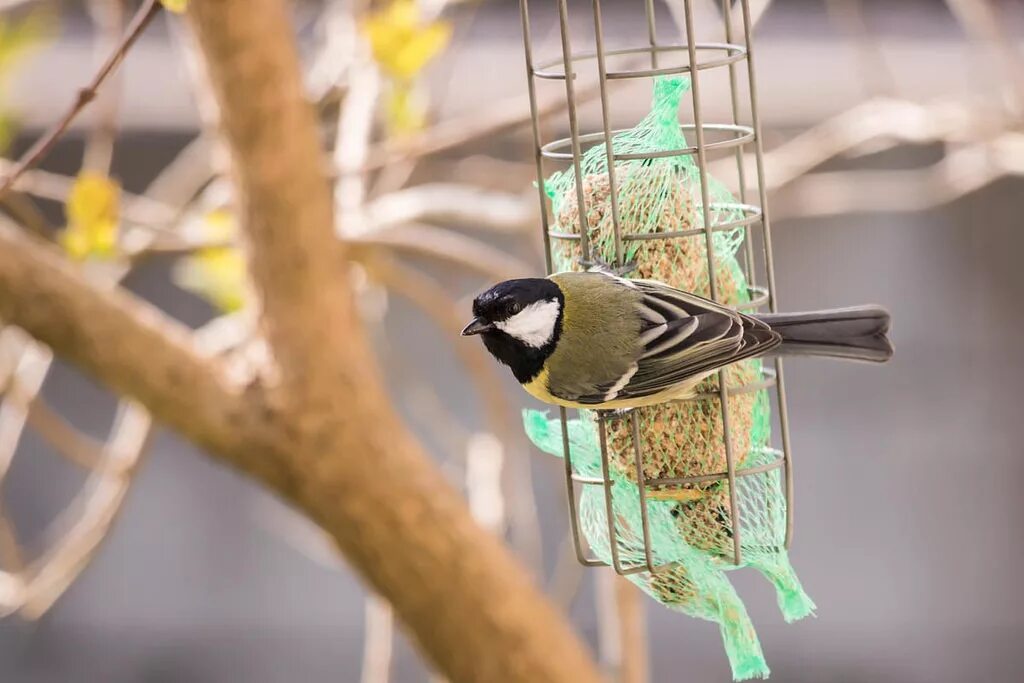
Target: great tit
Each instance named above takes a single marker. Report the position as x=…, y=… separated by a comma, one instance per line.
x=596, y=340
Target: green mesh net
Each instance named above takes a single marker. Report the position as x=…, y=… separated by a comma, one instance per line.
x=691, y=527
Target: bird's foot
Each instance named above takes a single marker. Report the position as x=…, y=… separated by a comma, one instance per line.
x=616, y=414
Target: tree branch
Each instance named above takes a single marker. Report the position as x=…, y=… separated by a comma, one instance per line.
x=358, y=474
x=85, y=95
x=285, y=200
x=327, y=438
x=131, y=346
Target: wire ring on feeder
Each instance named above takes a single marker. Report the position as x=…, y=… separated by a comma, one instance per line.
x=721, y=476
x=555, y=71
x=697, y=479
x=739, y=135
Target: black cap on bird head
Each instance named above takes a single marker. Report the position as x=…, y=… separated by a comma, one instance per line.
x=520, y=321
x=508, y=299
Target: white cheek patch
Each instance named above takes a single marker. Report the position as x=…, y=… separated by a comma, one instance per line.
x=534, y=325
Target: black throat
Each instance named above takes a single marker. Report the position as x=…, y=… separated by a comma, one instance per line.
x=524, y=360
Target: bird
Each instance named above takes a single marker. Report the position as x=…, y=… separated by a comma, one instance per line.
x=596, y=340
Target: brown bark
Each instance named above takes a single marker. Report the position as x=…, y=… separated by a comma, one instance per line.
x=326, y=438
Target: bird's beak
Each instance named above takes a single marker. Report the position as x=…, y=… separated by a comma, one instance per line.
x=476, y=326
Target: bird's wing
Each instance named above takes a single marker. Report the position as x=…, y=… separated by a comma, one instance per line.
x=683, y=336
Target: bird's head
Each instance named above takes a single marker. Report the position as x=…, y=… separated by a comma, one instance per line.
x=519, y=321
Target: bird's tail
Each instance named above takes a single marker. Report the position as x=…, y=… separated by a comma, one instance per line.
x=856, y=333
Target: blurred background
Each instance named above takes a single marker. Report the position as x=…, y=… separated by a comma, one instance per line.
x=894, y=154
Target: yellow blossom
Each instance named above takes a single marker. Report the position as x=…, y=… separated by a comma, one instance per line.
x=92, y=217
x=401, y=42
x=217, y=273
x=405, y=112
x=176, y=6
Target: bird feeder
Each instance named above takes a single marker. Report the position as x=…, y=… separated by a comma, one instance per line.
x=671, y=495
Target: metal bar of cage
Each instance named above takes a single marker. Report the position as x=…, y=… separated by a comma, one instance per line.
x=741, y=136
x=733, y=54
x=698, y=118
x=524, y=15
x=574, y=131
x=766, y=231
x=734, y=99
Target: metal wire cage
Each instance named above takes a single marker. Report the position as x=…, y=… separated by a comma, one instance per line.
x=740, y=136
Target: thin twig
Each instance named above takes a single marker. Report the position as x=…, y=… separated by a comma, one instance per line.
x=85, y=95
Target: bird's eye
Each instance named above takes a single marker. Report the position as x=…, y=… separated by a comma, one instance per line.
x=514, y=308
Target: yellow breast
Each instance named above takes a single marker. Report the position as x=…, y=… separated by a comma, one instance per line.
x=538, y=388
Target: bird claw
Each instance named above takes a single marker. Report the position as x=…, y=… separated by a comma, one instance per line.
x=616, y=414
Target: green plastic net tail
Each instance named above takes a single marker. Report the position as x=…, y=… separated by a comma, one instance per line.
x=793, y=602
x=694, y=585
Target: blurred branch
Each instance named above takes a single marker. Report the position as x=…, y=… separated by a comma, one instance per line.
x=378, y=646
x=984, y=24
x=108, y=18
x=55, y=187
x=621, y=629
x=881, y=122
x=29, y=363
x=495, y=119
x=451, y=203
x=445, y=245
x=7, y=5
x=85, y=95
x=25, y=212
x=181, y=179
x=65, y=439
x=352, y=140
x=567, y=575
x=875, y=73
x=959, y=173
x=86, y=522
x=629, y=605
x=430, y=298
x=11, y=557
